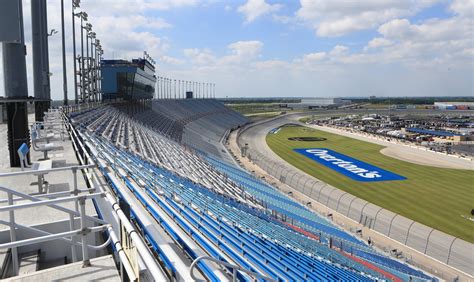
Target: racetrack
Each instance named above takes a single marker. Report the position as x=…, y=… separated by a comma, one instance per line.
x=407, y=153
x=435, y=244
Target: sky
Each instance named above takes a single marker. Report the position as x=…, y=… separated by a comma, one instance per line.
x=266, y=48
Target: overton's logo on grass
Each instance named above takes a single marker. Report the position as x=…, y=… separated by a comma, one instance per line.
x=348, y=166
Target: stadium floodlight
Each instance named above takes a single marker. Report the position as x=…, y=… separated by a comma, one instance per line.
x=76, y=3
x=82, y=15
x=88, y=27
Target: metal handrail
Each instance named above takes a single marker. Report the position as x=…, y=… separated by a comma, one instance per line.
x=142, y=249
x=234, y=267
x=48, y=202
x=34, y=199
x=82, y=231
x=27, y=172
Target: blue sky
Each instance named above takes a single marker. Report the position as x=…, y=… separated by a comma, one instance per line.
x=318, y=48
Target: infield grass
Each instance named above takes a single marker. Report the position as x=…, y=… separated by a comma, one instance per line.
x=436, y=197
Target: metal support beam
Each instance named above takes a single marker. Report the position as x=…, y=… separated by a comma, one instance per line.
x=15, y=83
x=63, y=40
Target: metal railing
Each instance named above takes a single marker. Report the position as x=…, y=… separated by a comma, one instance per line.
x=444, y=248
x=44, y=236
x=129, y=234
x=234, y=268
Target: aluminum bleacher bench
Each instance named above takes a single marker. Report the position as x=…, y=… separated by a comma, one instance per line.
x=40, y=166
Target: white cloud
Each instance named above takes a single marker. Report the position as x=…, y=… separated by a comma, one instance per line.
x=241, y=53
x=171, y=60
x=200, y=57
x=257, y=8
x=336, y=18
x=271, y=64
x=243, y=49
x=339, y=50
x=312, y=57
x=463, y=7
x=379, y=42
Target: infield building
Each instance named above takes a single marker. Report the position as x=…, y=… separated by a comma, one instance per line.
x=316, y=103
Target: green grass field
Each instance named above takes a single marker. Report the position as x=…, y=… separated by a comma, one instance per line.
x=437, y=197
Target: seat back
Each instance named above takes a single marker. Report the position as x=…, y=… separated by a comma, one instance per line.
x=34, y=134
x=22, y=153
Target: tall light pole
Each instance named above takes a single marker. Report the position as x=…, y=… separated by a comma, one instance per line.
x=175, y=89
x=95, y=52
x=75, y=4
x=158, y=87
x=162, y=88
x=90, y=95
x=83, y=74
x=98, y=47
x=63, y=39
x=99, y=53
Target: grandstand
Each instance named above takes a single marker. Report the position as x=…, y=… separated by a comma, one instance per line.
x=168, y=153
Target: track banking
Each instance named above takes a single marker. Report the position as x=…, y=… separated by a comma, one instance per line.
x=350, y=167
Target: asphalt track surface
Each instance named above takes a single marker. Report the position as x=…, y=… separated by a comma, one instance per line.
x=460, y=252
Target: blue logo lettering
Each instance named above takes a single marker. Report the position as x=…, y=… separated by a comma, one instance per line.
x=348, y=166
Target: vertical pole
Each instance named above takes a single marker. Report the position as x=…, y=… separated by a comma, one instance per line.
x=73, y=240
x=37, y=36
x=96, y=72
x=63, y=38
x=83, y=94
x=76, y=98
x=13, y=235
x=175, y=89
x=162, y=88
x=46, y=80
x=92, y=73
x=71, y=216
x=86, y=71
x=158, y=81
x=16, y=87
x=85, y=251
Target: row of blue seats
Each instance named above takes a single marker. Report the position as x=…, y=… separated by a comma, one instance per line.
x=239, y=175
x=202, y=266
x=282, y=204
x=193, y=197
x=230, y=202
x=393, y=264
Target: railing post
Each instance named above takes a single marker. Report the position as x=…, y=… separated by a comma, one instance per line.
x=13, y=235
x=84, y=231
x=74, y=172
x=73, y=247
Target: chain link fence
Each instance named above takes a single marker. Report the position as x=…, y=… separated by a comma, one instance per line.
x=443, y=247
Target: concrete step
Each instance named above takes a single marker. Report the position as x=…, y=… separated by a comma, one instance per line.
x=29, y=262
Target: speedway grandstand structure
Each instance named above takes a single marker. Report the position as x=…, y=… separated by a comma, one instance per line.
x=158, y=198
x=169, y=156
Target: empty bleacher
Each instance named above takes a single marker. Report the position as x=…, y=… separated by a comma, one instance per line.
x=232, y=215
